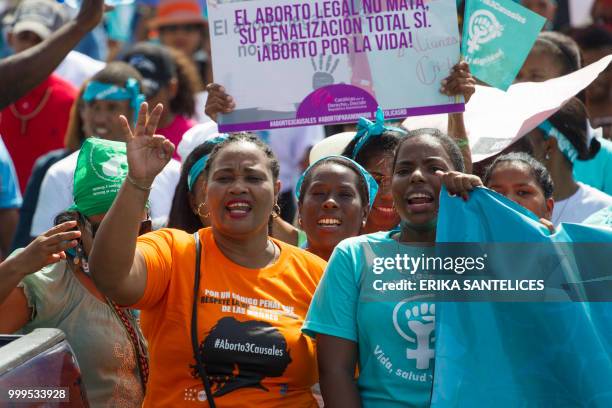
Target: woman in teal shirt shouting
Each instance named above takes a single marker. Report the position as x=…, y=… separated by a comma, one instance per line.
x=360, y=316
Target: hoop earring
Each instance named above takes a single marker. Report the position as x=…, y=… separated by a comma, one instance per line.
x=81, y=258
x=276, y=211
x=206, y=215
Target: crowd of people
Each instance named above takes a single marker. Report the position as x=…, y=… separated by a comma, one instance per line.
x=186, y=265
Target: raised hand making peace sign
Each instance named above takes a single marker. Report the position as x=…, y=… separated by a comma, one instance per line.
x=147, y=153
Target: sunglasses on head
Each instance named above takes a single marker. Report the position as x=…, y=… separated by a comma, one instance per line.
x=172, y=28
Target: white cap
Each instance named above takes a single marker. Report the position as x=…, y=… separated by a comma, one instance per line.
x=195, y=137
x=438, y=121
x=332, y=145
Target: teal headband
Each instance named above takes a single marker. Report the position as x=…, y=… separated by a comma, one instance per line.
x=565, y=146
x=370, y=183
x=100, y=91
x=367, y=129
x=199, y=166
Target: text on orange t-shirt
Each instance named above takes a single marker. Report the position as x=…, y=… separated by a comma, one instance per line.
x=249, y=324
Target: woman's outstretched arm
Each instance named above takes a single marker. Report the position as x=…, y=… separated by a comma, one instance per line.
x=118, y=270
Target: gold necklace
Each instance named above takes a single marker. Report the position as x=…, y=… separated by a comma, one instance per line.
x=25, y=117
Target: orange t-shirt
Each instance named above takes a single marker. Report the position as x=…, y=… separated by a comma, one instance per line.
x=249, y=324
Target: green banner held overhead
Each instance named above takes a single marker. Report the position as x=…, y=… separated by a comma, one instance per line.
x=497, y=37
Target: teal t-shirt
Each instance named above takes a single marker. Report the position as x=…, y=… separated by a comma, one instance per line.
x=395, y=333
x=597, y=172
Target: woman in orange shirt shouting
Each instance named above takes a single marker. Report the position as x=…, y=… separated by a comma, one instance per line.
x=238, y=340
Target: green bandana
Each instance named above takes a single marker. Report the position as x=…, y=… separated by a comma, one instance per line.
x=101, y=168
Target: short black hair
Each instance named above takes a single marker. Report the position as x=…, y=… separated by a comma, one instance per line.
x=387, y=142
x=449, y=145
x=181, y=216
x=563, y=48
x=361, y=186
x=537, y=169
x=248, y=138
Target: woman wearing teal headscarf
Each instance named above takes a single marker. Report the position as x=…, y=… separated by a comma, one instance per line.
x=188, y=211
x=105, y=337
x=334, y=197
x=113, y=91
x=374, y=145
x=558, y=143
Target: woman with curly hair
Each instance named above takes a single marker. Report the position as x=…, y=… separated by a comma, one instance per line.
x=203, y=348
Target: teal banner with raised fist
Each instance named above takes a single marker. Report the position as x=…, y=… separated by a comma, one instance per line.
x=497, y=37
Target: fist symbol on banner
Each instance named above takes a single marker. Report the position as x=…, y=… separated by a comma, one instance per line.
x=482, y=28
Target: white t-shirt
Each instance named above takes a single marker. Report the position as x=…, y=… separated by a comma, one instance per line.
x=583, y=203
x=76, y=68
x=56, y=192
x=200, y=104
